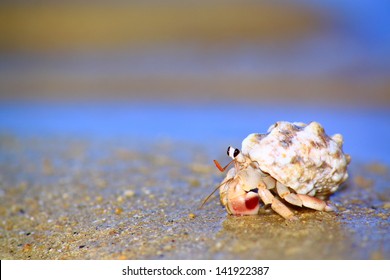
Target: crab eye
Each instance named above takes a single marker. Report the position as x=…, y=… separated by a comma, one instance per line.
x=232, y=152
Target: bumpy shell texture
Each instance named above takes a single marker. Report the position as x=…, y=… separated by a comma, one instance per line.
x=300, y=156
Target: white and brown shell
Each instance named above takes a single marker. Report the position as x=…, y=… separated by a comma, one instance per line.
x=300, y=156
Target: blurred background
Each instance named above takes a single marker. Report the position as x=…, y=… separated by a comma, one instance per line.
x=301, y=51
x=242, y=63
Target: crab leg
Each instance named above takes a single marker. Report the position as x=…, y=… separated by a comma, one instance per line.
x=267, y=197
x=285, y=194
x=282, y=210
x=302, y=199
x=315, y=203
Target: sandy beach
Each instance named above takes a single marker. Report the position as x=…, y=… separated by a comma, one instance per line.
x=65, y=198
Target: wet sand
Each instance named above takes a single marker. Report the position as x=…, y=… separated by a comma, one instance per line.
x=73, y=198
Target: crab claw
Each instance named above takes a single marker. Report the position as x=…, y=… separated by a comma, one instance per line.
x=241, y=202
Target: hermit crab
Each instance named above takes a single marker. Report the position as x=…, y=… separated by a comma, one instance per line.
x=292, y=162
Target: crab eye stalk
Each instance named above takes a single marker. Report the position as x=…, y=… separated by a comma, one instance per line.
x=232, y=152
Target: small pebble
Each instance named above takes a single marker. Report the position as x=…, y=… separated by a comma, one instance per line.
x=168, y=247
x=192, y=216
x=118, y=210
x=382, y=215
x=194, y=183
x=112, y=232
x=386, y=205
x=129, y=193
x=218, y=245
x=27, y=247
x=377, y=255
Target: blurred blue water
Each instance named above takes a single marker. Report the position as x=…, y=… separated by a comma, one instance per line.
x=355, y=42
x=357, y=45
x=214, y=126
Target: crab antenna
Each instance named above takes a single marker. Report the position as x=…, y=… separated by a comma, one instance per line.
x=208, y=197
x=222, y=169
